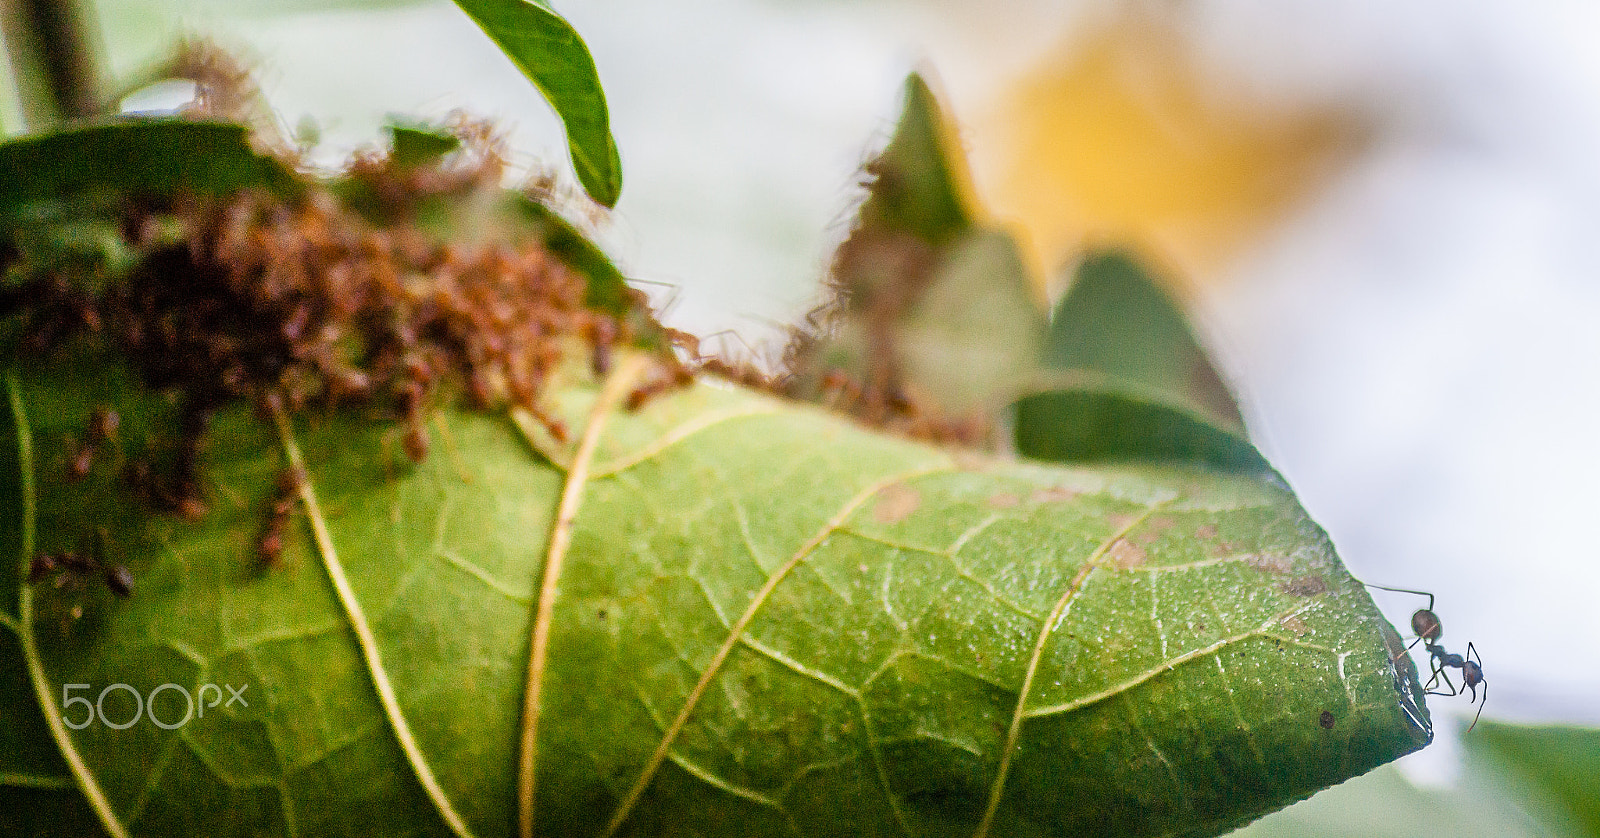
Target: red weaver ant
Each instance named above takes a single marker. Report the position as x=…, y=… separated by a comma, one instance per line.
x=1428, y=628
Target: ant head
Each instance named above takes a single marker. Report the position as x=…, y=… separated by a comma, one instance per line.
x=1426, y=625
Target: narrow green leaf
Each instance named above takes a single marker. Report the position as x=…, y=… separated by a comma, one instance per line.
x=1089, y=423
x=138, y=157
x=549, y=52
x=1116, y=321
x=819, y=629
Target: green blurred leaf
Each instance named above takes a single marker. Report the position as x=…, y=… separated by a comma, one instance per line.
x=1125, y=379
x=846, y=633
x=920, y=178
x=928, y=303
x=1116, y=320
x=608, y=288
x=1558, y=767
x=1383, y=804
x=549, y=52
x=1108, y=421
x=135, y=157
x=414, y=144
x=1517, y=782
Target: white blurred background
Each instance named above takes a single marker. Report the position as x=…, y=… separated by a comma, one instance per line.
x=1411, y=315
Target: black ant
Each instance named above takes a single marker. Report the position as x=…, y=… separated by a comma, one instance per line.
x=1428, y=628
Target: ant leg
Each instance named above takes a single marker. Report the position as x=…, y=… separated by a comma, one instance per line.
x=1480, y=707
x=1438, y=673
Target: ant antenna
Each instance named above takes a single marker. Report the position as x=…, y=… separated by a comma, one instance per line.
x=673, y=293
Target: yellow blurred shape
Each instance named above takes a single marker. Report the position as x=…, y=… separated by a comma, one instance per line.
x=1122, y=136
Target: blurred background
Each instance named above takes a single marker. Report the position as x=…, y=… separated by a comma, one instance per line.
x=1384, y=217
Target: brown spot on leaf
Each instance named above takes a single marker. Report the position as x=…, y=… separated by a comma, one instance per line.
x=1054, y=494
x=1206, y=531
x=1004, y=500
x=1311, y=584
x=1326, y=720
x=896, y=503
x=1294, y=624
x=1126, y=555
x=1121, y=521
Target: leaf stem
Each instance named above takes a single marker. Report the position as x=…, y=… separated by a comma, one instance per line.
x=54, y=60
x=612, y=393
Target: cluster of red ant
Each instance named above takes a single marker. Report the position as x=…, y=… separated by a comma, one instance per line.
x=306, y=303
x=1429, y=629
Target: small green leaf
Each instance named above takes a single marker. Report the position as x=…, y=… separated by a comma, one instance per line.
x=414, y=144
x=1125, y=379
x=1116, y=321
x=135, y=157
x=549, y=52
x=608, y=288
x=921, y=184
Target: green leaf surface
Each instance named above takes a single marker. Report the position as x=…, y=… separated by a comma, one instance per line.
x=769, y=621
x=1115, y=320
x=135, y=157
x=549, y=52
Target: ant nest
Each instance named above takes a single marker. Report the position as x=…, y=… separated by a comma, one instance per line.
x=307, y=303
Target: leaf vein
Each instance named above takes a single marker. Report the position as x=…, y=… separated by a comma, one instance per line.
x=611, y=394
x=677, y=435
x=761, y=597
x=365, y=638
x=800, y=668
x=86, y=780
x=1059, y=613
x=1209, y=649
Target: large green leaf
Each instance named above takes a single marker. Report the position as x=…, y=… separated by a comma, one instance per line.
x=763, y=620
x=549, y=52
